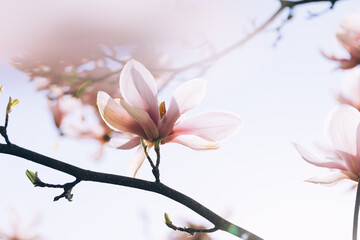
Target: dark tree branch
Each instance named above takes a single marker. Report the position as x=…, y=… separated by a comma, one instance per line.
x=3, y=129
x=157, y=187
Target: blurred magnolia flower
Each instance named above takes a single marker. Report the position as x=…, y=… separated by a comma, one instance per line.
x=351, y=89
x=62, y=106
x=343, y=133
x=348, y=36
x=84, y=130
x=139, y=114
x=19, y=230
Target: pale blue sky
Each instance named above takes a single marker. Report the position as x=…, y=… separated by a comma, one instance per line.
x=256, y=179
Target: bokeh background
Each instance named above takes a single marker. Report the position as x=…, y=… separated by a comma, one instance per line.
x=281, y=88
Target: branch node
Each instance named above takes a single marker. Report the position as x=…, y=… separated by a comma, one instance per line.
x=155, y=168
x=3, y=133
x=189, y=230
x=34, y=178
x=156, y=173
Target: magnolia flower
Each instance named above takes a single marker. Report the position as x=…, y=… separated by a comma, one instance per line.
x=343, y=133
x=351, y=89
x=348, y=36
x=139, y=114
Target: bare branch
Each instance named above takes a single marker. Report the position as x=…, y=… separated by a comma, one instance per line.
x=283, y=5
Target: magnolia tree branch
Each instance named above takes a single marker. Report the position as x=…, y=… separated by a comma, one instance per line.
x=157, y=187
x=206, y=62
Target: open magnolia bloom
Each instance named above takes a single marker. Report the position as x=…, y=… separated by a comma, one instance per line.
x=350, y=88
x=343, y=133
x=139, y=114
x=348, y=36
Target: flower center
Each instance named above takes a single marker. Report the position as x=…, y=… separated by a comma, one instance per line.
x=162, y=109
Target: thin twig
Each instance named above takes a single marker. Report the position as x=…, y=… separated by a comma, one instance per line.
x=155, y=168
x=157, y=150
x=149, y=158
x=191, y=230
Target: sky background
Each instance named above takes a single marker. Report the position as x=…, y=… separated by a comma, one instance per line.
x=256, y=179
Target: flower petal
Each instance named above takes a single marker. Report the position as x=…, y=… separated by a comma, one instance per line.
x=122, y=143
x=143, y=119
x=136, y=162
x=194, y=142
x=339, y=96
x=138, y=87
x=186, y=97
x=351, y=86
x=329, y=178
x=341, y=128
x=115, y=116
x=215, y=125
x=310, y=158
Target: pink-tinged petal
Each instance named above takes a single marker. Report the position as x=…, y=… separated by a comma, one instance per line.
x=350, y=161
x=352, y=23
x=115, y=116
x=351, y=86
x=344, y=62
x=344, y=39
x=329, y=178
x=194, y=142
x=143, y=118
x=188, y=95
x=136, y=162
x=122, y=143
x=185, y=98
x=215, y=125
x=310, y=158
x=138, y=87
x=339, y=97
x=341, y=128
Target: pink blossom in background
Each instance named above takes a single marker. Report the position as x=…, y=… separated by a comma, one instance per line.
x=343, y=133
x=20, y=231
x=348, y=36
x=84, y=130
x=350, y=89
x=139, y=114
x=63, y=106
x=85, y=52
